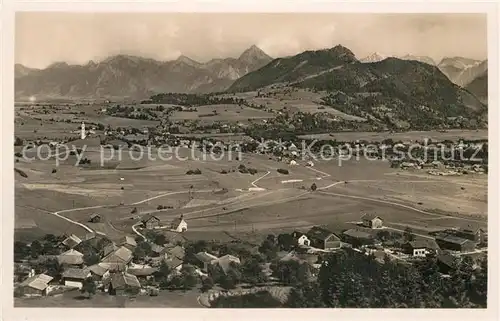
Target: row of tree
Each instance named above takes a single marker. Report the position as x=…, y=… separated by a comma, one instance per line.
x=351, y=280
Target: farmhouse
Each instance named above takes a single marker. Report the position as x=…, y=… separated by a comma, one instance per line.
x=173, y=263
x=71, y=241
x=357, y=237
x=150, y=222
x=455, y=243
x=109, y=248
x=288, y=256
x=323, y=239
x=176, y=251
x=472, y=232
x=128, y=242
x=35, y=285
x=371, y=221
x=205, y=259
x=144, y=273
x=226, y=261
x=75, y=277
x=157, y=249
x=95, y=218
x=117, y=260
x=416, y=248
x=445, y=263
x=70, y=257
x=123, y=283
x=301, y=238
x=179, y=225
x=99, y=271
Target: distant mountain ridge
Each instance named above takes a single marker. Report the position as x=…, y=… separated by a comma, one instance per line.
x=462, y=71
x=390, y=90
x=479, y=87
x=135, y=77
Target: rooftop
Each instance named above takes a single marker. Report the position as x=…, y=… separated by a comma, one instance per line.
x=176, y=251
x=452, y=239
x=205, y=257
x=121, y=255
x=149, y=217
x=128, y=240
x=357, y=234
x=72, y=241
x=369, y=216
x=226, y=260
x=146, y=271
x=81, y=274
x=98, y=269
x=39, y=282
x=319, y=233
x=121, y=280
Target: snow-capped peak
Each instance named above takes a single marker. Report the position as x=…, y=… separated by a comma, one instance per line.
x=374, y=57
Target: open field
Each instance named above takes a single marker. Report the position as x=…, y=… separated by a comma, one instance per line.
x=294, y=100
x=226, y=112
x=372, y=187
x=129, y=186
x=452, y=134
x=166, y=299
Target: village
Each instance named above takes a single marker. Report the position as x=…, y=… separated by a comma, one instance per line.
x=159, y=258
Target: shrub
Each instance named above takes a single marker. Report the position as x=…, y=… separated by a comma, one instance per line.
x=54, y=171
x=252, y=171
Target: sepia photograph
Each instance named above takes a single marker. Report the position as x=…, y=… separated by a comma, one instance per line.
x=250, y=160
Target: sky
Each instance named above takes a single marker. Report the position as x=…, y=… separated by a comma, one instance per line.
x=42, y=38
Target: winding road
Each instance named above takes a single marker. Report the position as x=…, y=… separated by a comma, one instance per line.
x=321, y=190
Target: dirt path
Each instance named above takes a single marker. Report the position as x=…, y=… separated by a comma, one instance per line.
x=258, y=179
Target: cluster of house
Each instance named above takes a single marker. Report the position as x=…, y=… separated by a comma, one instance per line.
x=115, y=272
x=464, y=239
x=152, y=222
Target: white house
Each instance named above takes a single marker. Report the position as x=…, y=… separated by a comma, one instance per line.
x=75, y=277
x=179, y=225
x=303, y=240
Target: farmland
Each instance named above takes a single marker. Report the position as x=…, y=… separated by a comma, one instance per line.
x=214, y=201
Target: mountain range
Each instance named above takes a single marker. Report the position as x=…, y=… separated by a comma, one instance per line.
x=127, y=76
x=479, y=87
x=406, y=91
x=461, y=71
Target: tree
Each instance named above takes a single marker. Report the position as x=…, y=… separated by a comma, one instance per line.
x=36, y=249
x=251, y=271
x=307, y=296
x=313, y=187
x=18, y=142
x=228, y=282
x=139, y=254
x=53, y=268
x=163, y=272
x=89, y=287
x=286, y=241
x=269, y=247
x=206, y=284
x=408, y=234
x=291, y=272
x=90, y=258
x=21, y=251
x=187, y=278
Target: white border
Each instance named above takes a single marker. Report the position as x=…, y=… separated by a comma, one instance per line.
x=6, y=146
